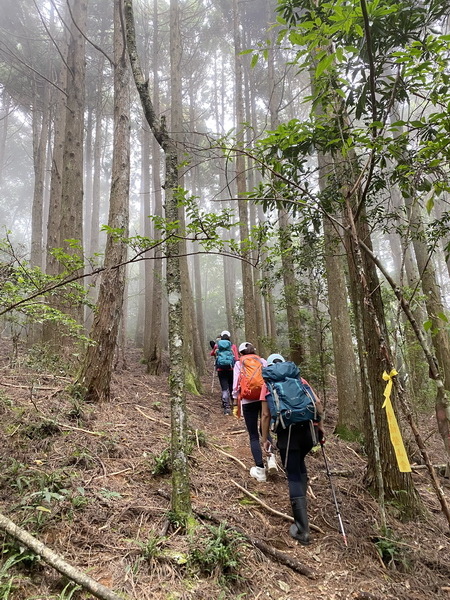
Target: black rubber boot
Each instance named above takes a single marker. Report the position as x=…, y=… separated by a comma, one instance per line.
x=300, y=529
x=226, y=402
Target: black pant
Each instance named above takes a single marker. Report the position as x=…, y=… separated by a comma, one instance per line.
x=226, y=380
x=295, y=448
x=251, y=412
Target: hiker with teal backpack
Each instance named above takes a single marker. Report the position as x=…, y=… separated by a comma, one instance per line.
x=226, y=355
x=295, y=413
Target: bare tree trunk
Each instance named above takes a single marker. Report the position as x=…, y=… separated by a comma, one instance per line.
x=40, y=137
x=71, y=225
x=95, y=375
x=290, y=290
x=153, y=340
x=436, y=316
x=247, y=275
x=193, y=363
x=51, y=331
x=181, y=500
x=4, y=121
x=146, y=266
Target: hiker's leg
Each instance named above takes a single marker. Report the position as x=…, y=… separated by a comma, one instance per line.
x=230, y=387
x=251, y=414
x=294, y=459
x=223, y=379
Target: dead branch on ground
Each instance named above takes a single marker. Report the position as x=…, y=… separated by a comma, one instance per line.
x=56, y=561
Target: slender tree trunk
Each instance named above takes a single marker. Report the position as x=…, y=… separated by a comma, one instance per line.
x=436, y=315
x=71, y=225
x=290, y=290
x=345, y=364
x=181, y=500
x=193, y=363
x=153, y=341
x=95, y=376
x=40, y=137
x=145, y=267
x=4, y=121
x=247, y=275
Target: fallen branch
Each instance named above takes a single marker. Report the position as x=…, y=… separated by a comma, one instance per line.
x=272, y=510
x=281, y=557
x=31, y=385
x=229, y=456
x=94, y=587
x=151, y=418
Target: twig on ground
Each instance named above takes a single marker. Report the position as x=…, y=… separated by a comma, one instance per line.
x=272, y=510
x=137, y=407
x=279, y=556
x=56, y=561
x=229, y=456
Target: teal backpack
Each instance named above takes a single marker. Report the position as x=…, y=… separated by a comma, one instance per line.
x=224, y=355
x=290, y=401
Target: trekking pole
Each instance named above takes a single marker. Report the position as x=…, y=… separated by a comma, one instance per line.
x=213, y=379
x=333, y=492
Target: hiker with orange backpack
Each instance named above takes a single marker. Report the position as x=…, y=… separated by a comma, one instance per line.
x=247, y=387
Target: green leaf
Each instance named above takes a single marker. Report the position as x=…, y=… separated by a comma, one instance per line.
x=428, y=325
x=430, y=204
x=324, y=64
x=443, y=317
x=254, y=62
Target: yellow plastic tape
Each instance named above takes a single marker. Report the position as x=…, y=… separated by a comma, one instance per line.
x=394, y=430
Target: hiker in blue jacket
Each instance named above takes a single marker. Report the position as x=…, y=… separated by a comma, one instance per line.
x=226, y=355
x=294, y=443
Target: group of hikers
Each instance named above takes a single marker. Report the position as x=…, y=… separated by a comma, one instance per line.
x=274, y=401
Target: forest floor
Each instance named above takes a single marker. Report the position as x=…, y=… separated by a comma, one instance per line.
x=83, y=479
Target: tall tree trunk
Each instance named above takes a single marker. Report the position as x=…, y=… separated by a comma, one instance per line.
x=193, y=360
x=95, y=375
x=51, y=333
x=145, y=293
x=71, y=225
x=345, y=365
x=436, y=315
x=181, y=500
x=290, y=290
x=251, y=333
x=41, y=122
x=153, y=340
x=4, y=121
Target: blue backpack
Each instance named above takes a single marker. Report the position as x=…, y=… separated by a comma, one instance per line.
x=224, y=355
x=290, y=401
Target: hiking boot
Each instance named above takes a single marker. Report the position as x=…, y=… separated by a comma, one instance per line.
x=300, y=529
x=226, y=411
x=272, y=464
x=259, y=473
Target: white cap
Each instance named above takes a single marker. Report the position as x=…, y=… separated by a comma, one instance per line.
x=243, y=346
x=225, y=332
x=273, y=357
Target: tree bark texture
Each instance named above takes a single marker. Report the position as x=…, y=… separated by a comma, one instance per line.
x=290, y=290
x=71, y=224
x=96, y=372
x=181, y=500
x=251, y=333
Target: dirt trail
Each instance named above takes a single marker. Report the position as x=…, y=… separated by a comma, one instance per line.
x=111, y=502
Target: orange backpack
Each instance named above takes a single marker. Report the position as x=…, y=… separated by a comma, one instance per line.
x=250, y=377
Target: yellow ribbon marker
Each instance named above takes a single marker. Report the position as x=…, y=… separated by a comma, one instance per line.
x=394, y=430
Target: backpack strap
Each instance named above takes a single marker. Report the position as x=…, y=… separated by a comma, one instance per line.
x=287, y=448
